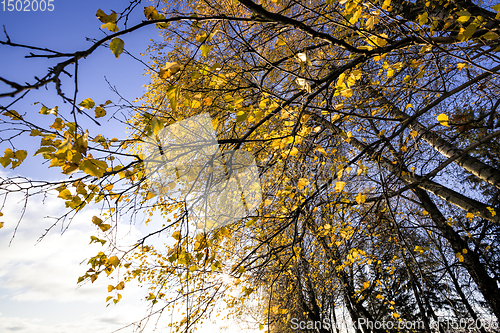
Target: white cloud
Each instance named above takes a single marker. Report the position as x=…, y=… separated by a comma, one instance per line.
x=38, y=289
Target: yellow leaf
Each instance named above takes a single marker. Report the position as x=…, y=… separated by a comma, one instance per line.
x=443, y=119
x=173, y=95
x=21, y=155
x=280, y=41
x=339, y=186
x=114, y=261
x=58, y=124
x=65, y=194
x=95, y=219
x=111, y=26
x=294, y=151
x=492, y=211
x=151, y=13
x=195, y=104
x=87, y=103
x=12, y=114
x=423, y=18
x=390, y=72
x=366, y=284
x=169, y=69
x=490, y=35
x=241, y=116
x=99, y=112
x=177, y=235
x=93, y=167
x=302, y=183
x=104, y=227
x=395, y=315
x=469, y=215
x=106, y=18
x=370, y=23
x=321, y=150
x=120, y=286
x=464, y=16
x=205, y=50
x=1, y=225
x=346, y=93
x=116, y=46
x=360, y=198
x=110, y=289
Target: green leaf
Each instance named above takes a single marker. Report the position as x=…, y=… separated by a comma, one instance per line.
x=116, y=46
x=111, y=18
x=87, y=103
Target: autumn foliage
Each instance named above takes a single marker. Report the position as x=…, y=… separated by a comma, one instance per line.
x=374, y=126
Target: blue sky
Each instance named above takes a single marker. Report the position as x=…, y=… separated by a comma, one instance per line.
x=38, y=291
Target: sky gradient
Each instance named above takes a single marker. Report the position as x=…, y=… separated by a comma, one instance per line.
x=38, y=290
